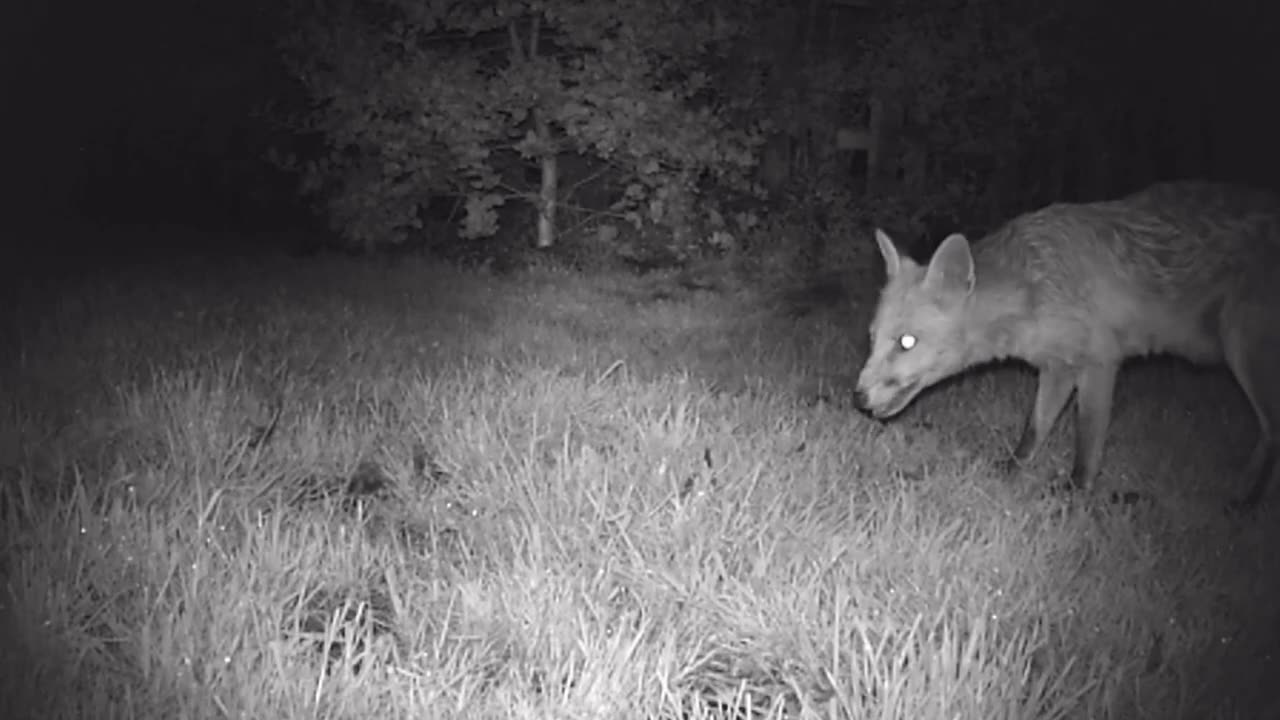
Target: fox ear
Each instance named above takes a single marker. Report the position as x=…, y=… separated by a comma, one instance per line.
x=892, y=260
x=951, y=269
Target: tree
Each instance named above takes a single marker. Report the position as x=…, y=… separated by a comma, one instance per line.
x=421, y=98
x=984, y=81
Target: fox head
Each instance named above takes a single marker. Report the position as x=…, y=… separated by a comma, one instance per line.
x=918, y=333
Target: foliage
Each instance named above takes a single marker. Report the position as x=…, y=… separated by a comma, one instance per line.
x=985, y=82
x=978, y=73
x=416, y=100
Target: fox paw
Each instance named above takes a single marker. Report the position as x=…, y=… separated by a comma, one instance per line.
x=1061, y=485
x=1009, y=467
x=1242, y=507
x=1126, y=497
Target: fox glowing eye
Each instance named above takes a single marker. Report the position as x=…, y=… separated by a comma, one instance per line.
x=906, y=342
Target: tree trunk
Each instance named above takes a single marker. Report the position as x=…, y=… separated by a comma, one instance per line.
x=550, y=187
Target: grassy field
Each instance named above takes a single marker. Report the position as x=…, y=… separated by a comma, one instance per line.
x=265, y=488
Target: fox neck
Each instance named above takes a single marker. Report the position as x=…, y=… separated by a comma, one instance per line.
x=992, y=323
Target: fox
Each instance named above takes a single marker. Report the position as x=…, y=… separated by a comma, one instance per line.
x=1185, y=268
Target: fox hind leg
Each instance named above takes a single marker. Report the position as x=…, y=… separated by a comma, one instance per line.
x=1262, y=465
x=1254, y=358
x=1093, y=417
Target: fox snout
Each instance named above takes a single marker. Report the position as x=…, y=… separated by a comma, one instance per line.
x=862, y=400
x=866, y=404
x=863, y=403
x=878, y=401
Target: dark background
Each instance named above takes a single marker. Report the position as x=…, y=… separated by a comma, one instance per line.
x=161, y=112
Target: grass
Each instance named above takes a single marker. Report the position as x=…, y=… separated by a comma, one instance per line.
x=258, y=488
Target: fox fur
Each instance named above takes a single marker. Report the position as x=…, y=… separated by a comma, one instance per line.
x=1188, y=268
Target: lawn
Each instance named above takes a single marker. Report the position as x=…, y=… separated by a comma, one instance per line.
x=333, y=488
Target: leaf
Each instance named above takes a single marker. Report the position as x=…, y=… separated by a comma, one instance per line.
x=408, y=112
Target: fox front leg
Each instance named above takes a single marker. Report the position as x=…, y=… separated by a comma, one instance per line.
x=1052, y=393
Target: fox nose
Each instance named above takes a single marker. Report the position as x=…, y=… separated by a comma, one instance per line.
x=860, y=399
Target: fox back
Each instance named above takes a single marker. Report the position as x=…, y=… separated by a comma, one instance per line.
x=1074, y=289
